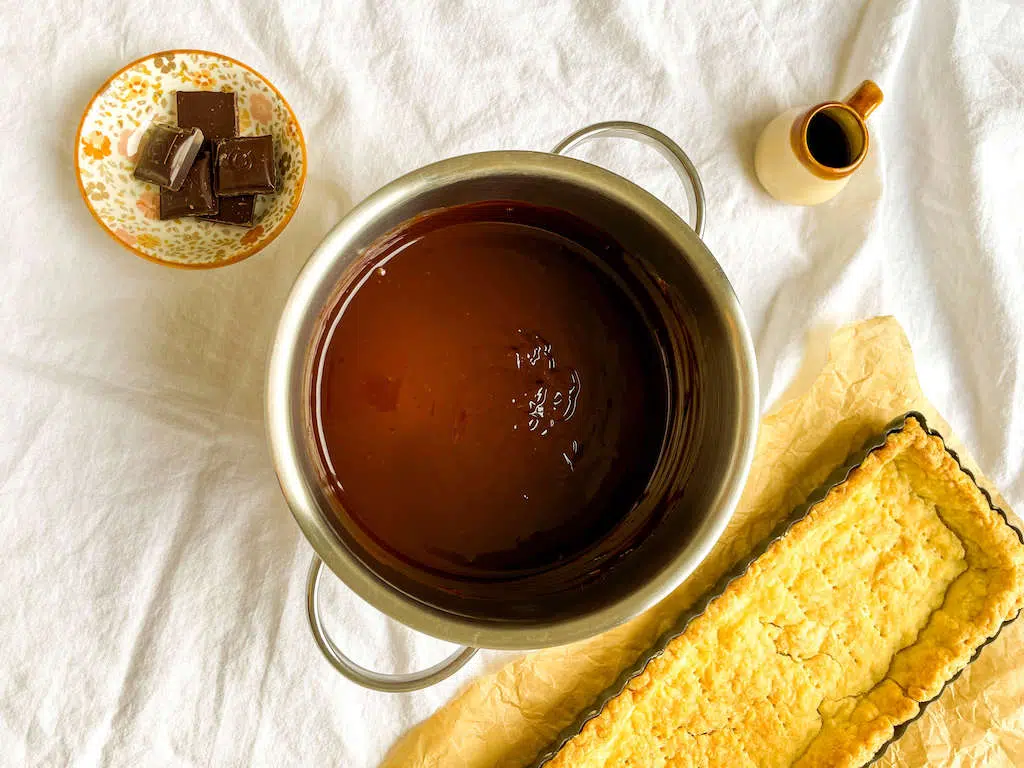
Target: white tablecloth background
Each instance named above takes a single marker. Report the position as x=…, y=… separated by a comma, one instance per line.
x=151, y=576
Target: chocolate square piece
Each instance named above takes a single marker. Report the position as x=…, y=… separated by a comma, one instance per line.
x=239, y=210
x=195, y=198
x=166, y=154
x=245, y=166
x=212, y=112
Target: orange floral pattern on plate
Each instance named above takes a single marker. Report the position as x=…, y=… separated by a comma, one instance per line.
x=96, y=145
x=135, y=87
x=261, y=108
x=253, y=235
x=201, y=79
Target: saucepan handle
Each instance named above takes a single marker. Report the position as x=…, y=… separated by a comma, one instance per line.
x=378, y=681
x=655, y=138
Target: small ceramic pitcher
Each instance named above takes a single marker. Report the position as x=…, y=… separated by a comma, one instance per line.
x=806, y=155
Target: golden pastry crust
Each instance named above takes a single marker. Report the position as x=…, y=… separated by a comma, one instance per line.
x=834, y=636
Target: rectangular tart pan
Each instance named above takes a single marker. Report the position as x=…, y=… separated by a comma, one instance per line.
x=838, y=476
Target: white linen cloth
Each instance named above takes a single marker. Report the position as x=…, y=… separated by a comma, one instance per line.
x=152, y=579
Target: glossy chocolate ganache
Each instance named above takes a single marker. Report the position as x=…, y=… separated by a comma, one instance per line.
x=489, y=398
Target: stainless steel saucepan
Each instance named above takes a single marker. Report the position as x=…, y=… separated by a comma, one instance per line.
x=692, y=289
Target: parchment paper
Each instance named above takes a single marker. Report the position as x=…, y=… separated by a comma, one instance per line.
x=506, y=718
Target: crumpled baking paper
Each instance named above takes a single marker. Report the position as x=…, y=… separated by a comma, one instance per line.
x=503, y=720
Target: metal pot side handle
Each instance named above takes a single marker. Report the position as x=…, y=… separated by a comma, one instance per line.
x=682, y=164
x=378, y=681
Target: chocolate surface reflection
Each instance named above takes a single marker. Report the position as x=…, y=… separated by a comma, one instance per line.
x=488, y=397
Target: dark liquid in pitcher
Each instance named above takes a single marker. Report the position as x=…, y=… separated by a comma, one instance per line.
x=828, y=142
x=489, y=400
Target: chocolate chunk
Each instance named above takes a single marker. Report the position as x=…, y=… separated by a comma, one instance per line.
x=166, y=154
x=238, y=210
x=195, y=198
x=245, y=166
x=212, y=112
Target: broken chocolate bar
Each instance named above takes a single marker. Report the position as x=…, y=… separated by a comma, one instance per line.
x=245, y=166
x=166, y=154
x=195, y=198
x=238, y=210
x=212, y=112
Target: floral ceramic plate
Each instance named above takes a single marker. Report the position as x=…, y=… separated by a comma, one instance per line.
x=128, y=209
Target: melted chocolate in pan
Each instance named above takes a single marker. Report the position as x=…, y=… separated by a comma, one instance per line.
x=489, y=400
